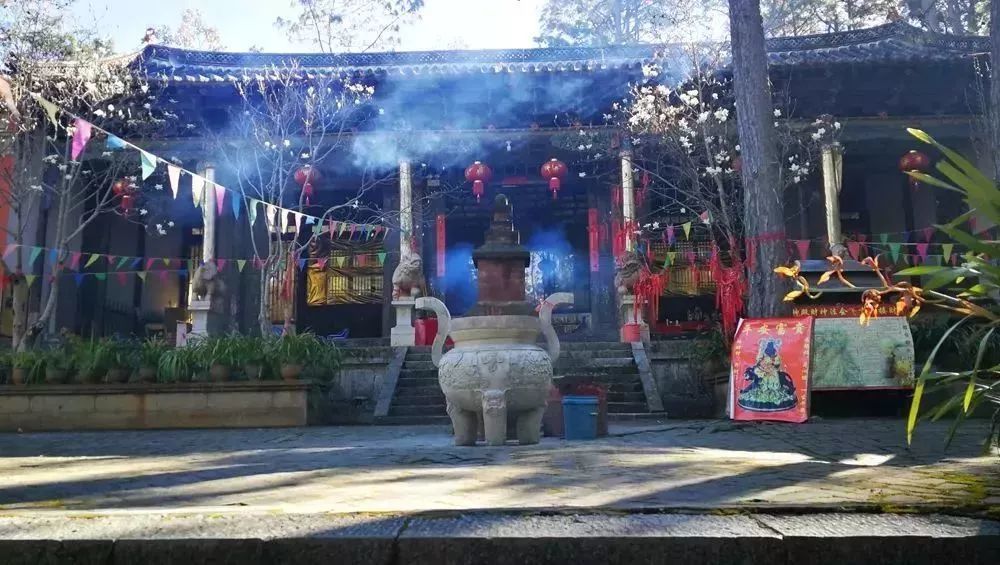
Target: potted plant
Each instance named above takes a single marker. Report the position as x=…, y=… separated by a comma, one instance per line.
x=294, y=352
x=91, y=359
x=177, y=365
x=26, y=367
x=253, y=353
x=58, y=363
x=150, y=353
x=121, y=360
x=221, y=355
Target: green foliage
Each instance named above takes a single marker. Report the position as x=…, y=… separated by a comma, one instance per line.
x=151, y=351
x=178, y=365
x=222, y=350
x=59, y=358
x=32, y=362
x=973, y=338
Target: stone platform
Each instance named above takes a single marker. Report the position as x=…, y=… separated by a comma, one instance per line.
x=698, y=491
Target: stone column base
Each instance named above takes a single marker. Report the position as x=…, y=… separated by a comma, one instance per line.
x=403, y=334
x=632, y=322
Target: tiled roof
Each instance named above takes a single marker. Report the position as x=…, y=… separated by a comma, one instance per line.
x=891, y=42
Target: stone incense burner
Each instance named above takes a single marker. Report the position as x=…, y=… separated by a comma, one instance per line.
x=496, y=367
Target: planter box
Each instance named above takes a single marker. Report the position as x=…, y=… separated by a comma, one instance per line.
x=148, y=406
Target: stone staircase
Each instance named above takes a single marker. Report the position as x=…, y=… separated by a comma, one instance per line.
x=418, y=398
x=610, y=364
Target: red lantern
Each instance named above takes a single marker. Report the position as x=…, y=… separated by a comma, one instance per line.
x=914, y=161
x=554, y=170
x=305, y=176
x=125, y=189
x=478, y=174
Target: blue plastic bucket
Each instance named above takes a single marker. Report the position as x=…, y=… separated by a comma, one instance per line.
x=580, y=417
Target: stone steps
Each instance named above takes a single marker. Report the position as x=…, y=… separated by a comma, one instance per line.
x=419, y=409
x=416, y=391
x=415, y=420
x=627, y=407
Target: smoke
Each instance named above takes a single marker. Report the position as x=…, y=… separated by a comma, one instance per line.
x=460, y=285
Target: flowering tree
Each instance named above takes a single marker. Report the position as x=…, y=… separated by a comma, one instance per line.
x=285, y=122
x=349, y=25
x=70, y=72
x=690, y=149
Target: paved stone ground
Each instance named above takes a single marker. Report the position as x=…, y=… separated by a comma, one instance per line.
x=687, y=464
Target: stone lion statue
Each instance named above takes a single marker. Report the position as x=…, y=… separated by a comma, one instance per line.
x=207, y=282
x=628, y=273
x=408, y=278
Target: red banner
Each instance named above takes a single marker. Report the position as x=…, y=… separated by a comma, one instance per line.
x=440, y=259
x=594, y=232
x=769, y=378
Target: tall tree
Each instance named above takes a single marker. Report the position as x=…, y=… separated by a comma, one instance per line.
x=349, y=25
x=950, y=16
x=762, y=192
x=993, y=110
x=612, y=22
x=192, y=33
x=801, y=17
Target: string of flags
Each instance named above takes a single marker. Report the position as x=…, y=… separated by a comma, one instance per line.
x=275, y=216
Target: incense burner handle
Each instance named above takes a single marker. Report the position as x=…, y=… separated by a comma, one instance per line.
x=444, y=324
x=545, y=316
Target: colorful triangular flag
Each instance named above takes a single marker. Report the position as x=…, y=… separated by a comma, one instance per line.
x=121, y=262
x=240, y=263
x=174, y=175
x=381, y=258
x=237, y=198
x=148, y=161
x=136, y=262
x=114, y=143
x=35, y=252
x=220, y=199
x=894, y=251
x=928, y=233
x=93, y=259
x=51, y=110
x=78, y=278
x=340, y=259
x=81, y=135
x=802, y=245
x=141, y=275
x=30, y=279
x=946, y=249
x=220, y=264
x=74, y=262
x=197, y=190
x=687, y=230
x=884, y=238
x=252, y=210
x=101, y=276
x=121, y=278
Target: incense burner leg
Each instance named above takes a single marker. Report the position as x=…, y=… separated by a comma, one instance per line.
x=495, y=416
x=465, y=424
x=529, y=426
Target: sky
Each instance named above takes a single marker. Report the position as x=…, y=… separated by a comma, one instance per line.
x=444, y=24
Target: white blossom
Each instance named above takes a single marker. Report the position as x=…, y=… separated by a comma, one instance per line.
x=796, y=179
x=737, y=147
x=777, y=113
x=170, y=223
x=703, y=117
x=158, y=186
x=816, y=136
x=582, y=174
x=111, y=107
x=381, y=111
x=143, y=211
x=287, y=143
x=715, y=96
x=836, y=125
x=722, y=114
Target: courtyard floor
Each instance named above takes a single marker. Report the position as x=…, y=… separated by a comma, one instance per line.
x=677, y=465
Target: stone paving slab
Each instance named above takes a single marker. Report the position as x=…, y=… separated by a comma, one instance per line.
x=704, y=465
x=482, y=538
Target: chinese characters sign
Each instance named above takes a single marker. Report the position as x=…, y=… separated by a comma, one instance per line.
x=840, y=311
x=769, y=378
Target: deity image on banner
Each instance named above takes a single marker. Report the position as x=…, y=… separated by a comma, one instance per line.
x=768, y=388
x=769, y=375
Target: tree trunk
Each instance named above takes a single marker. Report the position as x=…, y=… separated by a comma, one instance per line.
x=993, y=112
x=762, y=195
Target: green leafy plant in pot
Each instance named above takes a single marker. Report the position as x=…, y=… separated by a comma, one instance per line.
x=58, y=363
x=295, y=352
x=221, y=355
x=91, y=359
x=121, y=360
x=151, y=351
x=26, y=367
x=254, y=354
x=177, y=365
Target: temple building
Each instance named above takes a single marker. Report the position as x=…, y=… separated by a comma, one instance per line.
x=513, y=111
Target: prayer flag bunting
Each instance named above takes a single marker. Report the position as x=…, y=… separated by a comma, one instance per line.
x=671, y=236
x=928, y=233
x=803, y=248
x=35, y=252
x=340, y=259
x=114, y=143
x=163, y=276
x=121, y=262
x=220, y=263
x=121, y=278
x=884, y=238
x=252, y=211
x=854, y=248
x=81, y=135
x=74, y=262
x=142, y=275
x=93, y=259
x=148, y=161
x=197, y=190
x=240, y=263
x=149, y=263
x=298, y=221
x=236, y=205
x=78, y=278
x=321, y=263
x=30, y=279
x=174, y=175
x=922, y=251
x=53, y=255
x=381, y=257
x=10, y=247
x=220, y=199
x=946, y=249
x=894, y=251
x=101, y=276
x=166, y=262
x=302, y=263
x=136, y=262
x=51, y=110
x=687, y=230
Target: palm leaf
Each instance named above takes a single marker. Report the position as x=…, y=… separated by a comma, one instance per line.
x=918, y=391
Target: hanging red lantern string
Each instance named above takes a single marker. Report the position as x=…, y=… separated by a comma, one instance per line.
x=554, y=170
x=914, y=161
x=306, y=176
x=478, y=174
x=648, y=290
x=616, y=197
x=640, y=194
